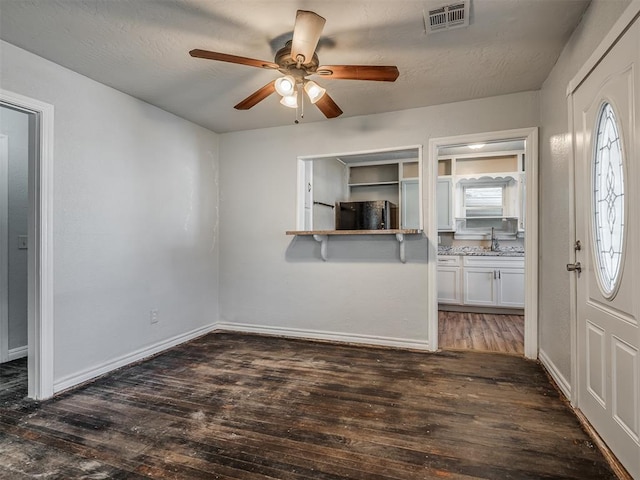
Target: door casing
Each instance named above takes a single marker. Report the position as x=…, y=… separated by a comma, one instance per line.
x=40, y=246
x=4, y=253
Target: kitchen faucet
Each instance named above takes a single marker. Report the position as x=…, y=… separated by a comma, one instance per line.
x=494, y=241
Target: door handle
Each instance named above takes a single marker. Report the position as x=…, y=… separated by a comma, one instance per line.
x=574, y=267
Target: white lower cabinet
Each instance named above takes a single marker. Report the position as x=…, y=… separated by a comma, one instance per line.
x=480, y=287
x=482, y=281
x=449, y=280
x=511, y=287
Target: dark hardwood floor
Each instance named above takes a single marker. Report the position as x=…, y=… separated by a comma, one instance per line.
x=13, y=381
x=481, y=331
x=231, y=406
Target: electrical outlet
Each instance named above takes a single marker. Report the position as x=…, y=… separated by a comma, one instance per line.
x=153, y=316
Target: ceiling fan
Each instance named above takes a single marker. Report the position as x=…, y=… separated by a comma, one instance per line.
x=296, y=61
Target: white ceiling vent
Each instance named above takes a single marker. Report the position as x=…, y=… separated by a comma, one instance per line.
x=447, y=17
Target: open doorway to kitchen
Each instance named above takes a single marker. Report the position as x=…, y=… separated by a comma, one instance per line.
x=16, y=145
x=484, y=244
x=26, y=329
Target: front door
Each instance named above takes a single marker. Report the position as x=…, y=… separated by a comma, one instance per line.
x=607, y=199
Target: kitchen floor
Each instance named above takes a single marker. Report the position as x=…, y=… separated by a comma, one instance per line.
x=481, y=332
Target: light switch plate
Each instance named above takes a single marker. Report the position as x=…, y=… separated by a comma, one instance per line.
x=23, y=242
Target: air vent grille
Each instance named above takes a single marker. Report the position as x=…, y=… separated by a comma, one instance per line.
x=447, y=17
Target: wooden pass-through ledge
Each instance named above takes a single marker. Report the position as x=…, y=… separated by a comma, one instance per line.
x=322, y=236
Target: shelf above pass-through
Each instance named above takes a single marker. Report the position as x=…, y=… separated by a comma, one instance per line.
x=322, y=236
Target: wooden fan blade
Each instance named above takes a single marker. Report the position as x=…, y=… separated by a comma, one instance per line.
x=328, y=106
x=306, y=34
x=257, y=96
x=224, y=57
x=376, y=73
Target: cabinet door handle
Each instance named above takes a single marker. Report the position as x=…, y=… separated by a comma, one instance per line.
x=494, y=274
x=499, y=275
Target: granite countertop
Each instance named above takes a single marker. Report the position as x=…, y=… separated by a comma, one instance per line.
x=482, y=251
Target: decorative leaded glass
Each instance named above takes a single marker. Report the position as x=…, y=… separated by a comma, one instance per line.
x=608, y=200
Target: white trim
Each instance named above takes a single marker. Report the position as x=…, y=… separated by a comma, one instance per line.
x=619, y=28
x=324, y=335
x=18, y=352
x=74, y=379
x=4, y=250
x=530, y=234
x=561, y=381
x=573, y=281
x=40, y=256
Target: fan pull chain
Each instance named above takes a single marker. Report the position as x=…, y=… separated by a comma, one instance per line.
x=300, y=107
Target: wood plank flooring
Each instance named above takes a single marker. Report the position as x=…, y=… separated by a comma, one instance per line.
x=481, y=331
x=232, y=406
x=13, y=381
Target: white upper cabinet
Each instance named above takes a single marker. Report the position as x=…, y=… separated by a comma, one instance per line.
x=445, y=204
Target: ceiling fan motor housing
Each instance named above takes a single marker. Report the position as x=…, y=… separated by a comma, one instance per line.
x=289, y=65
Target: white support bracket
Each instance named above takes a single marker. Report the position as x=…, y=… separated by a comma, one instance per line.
x=400, y=239
x=323, y=239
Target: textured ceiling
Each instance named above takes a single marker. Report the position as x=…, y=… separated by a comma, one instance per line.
x=141, y=47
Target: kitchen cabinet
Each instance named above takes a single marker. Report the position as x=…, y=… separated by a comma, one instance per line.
x=449, y=280
x=410, y=204
x=480, y=286
x=445, y=204
x=485, y=281
x=494, y=281
x=511, y=287
x=397, y=182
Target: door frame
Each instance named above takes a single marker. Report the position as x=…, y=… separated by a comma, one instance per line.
x=40, y=246
x=619, y=28
x=530, y=135
x=4, y=250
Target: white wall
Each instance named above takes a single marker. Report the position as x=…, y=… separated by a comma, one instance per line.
x=135, y=222
x=555, y=241
x=15, y=125
x=268, y=279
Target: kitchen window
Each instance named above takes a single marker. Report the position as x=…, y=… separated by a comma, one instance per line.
x=483, y=201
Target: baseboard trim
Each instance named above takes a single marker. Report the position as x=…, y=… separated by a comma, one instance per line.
x=370, y=340
x=552, y=370
x=18, y=352
x=76, y=379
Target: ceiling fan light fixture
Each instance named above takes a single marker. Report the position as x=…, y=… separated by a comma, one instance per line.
x=314, y=91
x=285, y=86
x=290, y=101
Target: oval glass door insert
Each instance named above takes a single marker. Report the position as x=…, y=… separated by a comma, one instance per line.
x=608, y=201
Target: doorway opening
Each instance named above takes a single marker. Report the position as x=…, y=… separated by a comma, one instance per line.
x=483, y=280
x=32, y=239
x=16, y=146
